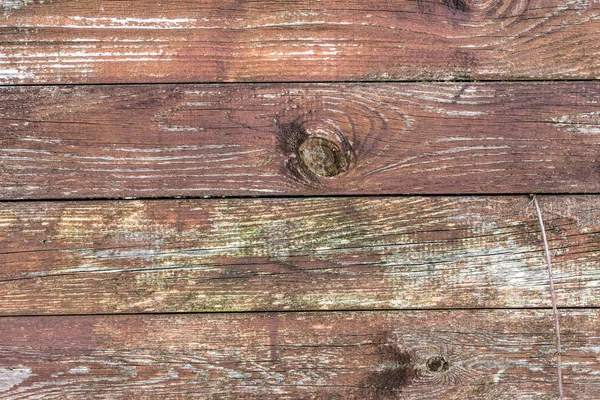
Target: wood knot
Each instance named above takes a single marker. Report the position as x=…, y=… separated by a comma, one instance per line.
x=437, y=364
x=323, y=157
x=313, y=152
x=440, y=7
x=457, y=5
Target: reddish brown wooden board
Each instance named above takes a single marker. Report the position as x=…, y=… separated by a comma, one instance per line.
x=104, y=41
x=452, y=355
x=359, y=298
x=203, y=140
x=293, y=254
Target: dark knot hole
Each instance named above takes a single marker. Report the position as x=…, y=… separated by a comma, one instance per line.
x=438, y=364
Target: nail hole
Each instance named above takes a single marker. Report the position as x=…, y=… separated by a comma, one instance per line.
x=438, y=364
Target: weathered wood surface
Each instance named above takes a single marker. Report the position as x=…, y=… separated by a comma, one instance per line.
x=451, y=355
x=295, y=254
x=197, y=140
x=63, y=41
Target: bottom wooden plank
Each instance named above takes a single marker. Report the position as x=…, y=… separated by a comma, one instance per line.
x=465, y=354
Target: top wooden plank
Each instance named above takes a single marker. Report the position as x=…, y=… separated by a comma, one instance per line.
x=93, y=41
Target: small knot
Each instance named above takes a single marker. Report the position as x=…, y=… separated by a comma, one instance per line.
x=323, y=157
x=438, y=364
x=313, y=151
x=457, y=5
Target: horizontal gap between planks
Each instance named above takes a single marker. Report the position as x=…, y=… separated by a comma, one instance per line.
x=229, y=83
x=284, y=196
x=306, y=311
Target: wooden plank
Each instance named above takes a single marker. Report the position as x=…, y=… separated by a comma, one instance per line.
x=203, y=140
x=573, y=226
x=104, y=41
x=292, y=254
x=485, y=354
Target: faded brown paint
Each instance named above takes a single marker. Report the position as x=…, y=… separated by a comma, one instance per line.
x=196, y=140
x=341, y=355
x=211, y=41
x=479, y=256
x=291, y=254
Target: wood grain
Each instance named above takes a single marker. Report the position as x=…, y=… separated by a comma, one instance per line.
x=206, y=140
x=359, y=298
x=294, y=254
x=100, y=41
x=452, y=355
x=575, y=243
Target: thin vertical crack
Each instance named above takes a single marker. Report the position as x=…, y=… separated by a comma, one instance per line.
x=553, y=296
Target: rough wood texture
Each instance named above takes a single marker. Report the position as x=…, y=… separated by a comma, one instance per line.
x=196, y=140
x=63, y=41
x=483, y=355
x=358, y=298
x=282, y=254
x=574, y=234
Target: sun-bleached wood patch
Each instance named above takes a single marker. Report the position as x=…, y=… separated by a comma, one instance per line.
x=295, y=254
